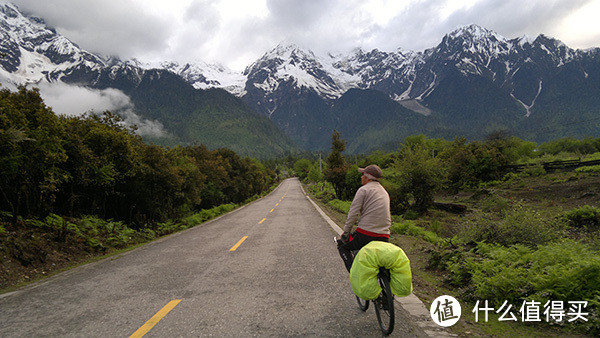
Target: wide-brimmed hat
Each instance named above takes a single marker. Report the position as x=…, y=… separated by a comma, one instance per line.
x=372, y=170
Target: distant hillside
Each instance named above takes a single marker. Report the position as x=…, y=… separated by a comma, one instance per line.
x=211, y=117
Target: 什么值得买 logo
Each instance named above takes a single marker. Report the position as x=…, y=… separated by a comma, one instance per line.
x=445, y=311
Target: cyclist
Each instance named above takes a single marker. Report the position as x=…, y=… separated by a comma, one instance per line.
x=371, y=208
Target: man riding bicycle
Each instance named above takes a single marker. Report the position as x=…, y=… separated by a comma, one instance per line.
x=371, y=208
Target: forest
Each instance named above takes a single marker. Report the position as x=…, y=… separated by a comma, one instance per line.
x=82, y=185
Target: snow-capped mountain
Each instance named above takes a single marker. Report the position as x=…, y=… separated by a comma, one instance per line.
x=202, y=75
x=408, y=75
x=286, y=69
x=473, y=82
x=519, y=65
x=33, y=52
x=36, y=52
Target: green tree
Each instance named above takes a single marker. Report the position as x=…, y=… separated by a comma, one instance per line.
x=315, y=174
x=336, y=164
x=31, y=152
x=468, y=164
x=351, y=183
x=418, y=176
x=302, y=167
x=103, y=157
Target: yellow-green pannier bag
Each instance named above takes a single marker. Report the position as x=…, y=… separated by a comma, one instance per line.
x=368, y=260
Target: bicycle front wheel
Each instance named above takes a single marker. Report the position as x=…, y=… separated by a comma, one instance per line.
x=384, y=304
x=362, y=304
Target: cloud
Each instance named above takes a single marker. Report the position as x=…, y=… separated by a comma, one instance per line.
x=144, y=127
x=423, y=24
x=321, y=27
x=514, y=18
x=197, y=31
x=70, y=100
x=108, y=27
x=236, y=33
x=75, y=101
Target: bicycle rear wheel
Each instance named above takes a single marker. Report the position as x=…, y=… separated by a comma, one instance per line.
x=384, y=304
x=362, y=304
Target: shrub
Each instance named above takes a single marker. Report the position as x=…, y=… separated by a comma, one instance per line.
x=585, y=217
x=520, y=226
x=166, y=228
x=561, y=271
x=565, y=270
x=411, y=215
x=588, y=169
x=341, y=206
x=315, y=174
x=92, y=225
x=399, y=197
x=94, y=244
x=535, y=170
x=510, y=177
x=494, y=203
x=408, y=227
x=122, y=237
x=302, y=167
x=323, y=191
x=148, y=234
x=207, y=214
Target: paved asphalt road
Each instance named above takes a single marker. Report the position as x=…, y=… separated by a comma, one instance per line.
x=285, y=279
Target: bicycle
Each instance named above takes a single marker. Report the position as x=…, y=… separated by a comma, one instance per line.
x=384, y=303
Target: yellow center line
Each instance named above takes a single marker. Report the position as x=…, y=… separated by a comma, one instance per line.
x=262, y=220
x=272, y=210
x=277, y=204
x=155, y=319
x=233, y=248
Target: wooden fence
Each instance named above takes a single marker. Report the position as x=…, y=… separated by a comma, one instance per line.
x=554, y=165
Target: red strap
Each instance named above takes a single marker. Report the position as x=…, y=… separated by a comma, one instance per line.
x=371, y=234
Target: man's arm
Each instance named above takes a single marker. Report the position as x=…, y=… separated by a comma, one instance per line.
x=355, y=209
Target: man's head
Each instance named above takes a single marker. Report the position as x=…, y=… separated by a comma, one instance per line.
x=371, y=172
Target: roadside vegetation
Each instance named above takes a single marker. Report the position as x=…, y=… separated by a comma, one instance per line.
x=72, y=188
x=478, y=230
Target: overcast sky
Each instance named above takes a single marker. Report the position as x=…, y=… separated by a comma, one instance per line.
x=237, y=32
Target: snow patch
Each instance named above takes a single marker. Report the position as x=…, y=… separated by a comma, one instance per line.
x=528, y=107
x=525, y=40
x=416, y=106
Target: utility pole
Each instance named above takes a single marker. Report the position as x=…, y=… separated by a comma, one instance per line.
x=320, y=167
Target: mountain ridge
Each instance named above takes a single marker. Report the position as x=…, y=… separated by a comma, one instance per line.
x=473, y=82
